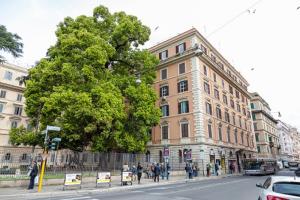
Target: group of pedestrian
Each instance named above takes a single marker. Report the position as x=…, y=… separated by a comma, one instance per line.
x=191, y=170
x=153, y=171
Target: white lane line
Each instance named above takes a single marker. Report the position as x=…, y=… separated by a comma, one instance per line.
x=77, y=198
x=204, y=187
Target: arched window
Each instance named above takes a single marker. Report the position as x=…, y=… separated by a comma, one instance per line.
x=160, y=156
x=148, y=156
x=180, y=155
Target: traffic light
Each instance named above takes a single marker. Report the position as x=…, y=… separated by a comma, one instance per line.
x=52, y=145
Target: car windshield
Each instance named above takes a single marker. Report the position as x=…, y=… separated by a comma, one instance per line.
x=289, y=188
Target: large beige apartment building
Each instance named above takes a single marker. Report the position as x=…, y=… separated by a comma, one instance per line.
x=205, y=105
x=265, y=126
x=12, y=112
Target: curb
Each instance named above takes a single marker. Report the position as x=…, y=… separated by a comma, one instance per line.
x=112, y=189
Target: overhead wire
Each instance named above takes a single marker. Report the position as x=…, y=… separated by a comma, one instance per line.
x=247, y=10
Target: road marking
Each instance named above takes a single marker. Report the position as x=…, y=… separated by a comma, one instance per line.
x=204, y=187
x=77, y=198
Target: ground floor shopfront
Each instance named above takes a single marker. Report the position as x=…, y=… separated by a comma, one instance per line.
x=229, y=159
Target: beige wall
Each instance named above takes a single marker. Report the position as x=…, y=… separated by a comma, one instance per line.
x=12, y=88
x=172, y=100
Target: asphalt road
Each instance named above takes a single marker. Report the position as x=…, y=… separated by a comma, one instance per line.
x=231, y=188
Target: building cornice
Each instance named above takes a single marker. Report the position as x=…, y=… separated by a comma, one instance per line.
x=11, y=87
x=266, y=114
x=14, y=67
x=189, y=53
x=190, y=33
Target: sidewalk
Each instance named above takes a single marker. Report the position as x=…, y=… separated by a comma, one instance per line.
x=57, y=190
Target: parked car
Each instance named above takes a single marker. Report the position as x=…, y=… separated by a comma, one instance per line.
x=285, y=164
x=280, y=188
x=293, y=166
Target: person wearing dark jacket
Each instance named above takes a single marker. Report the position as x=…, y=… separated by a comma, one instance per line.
x=33, y=172
x=139, y=172
x=156, y=172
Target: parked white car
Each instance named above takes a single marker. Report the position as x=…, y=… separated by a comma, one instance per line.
x=280, y=188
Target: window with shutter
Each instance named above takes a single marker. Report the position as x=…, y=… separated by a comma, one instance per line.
x=205, y=70
x=164, y=74
x=182, y=86
x=165, y=110
x=183, y=107
x=206, y=88
x=209, y=130
x=208, y=108
x=165, y=132
x=220, y=133
x=180, y=48
x=184, y=129
x=164, y=91
x=163, y=55
x=2, y=94
x=181, y=68
x=228, y=135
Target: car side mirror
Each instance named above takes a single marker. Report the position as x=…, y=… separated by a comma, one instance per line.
x=259, y=185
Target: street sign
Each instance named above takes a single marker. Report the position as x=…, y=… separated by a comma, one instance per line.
x=166, y=152
x=202, y=154
x=53, y=128
x=56, y=140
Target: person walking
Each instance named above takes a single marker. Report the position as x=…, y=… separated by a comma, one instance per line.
x=139, y=172
x=33, y=172
x=217, y=169
x=168, y=168
x=186, y=170
x=190, y=171
x=208, y=167
x=162, y=171
x=156, y=172
x=134, y=172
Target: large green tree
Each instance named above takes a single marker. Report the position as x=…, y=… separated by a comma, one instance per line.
x=87, y=84
x=10, y=42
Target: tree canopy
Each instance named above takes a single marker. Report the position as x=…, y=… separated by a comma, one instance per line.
x=87, y=84
x=10, y=42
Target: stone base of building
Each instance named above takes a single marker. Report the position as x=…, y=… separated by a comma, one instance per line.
x=201, y=155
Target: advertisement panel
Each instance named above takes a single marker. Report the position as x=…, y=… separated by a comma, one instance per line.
x=73, y=179
x=103, y=177
x=166, y=152
x=126, y=176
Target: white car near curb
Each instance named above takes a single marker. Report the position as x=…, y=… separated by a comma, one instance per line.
x=280, y=188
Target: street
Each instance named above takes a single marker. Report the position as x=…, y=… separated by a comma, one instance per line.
x=241, y=187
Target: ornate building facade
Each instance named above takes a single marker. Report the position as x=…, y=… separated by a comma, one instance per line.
x=205, y=105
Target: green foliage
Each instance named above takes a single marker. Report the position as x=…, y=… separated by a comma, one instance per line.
x=87, y=85
x=10, y=43
x=20, y=136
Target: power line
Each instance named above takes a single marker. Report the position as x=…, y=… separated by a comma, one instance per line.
x=247, y=10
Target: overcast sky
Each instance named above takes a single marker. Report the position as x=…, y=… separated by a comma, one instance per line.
x=267, y=38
